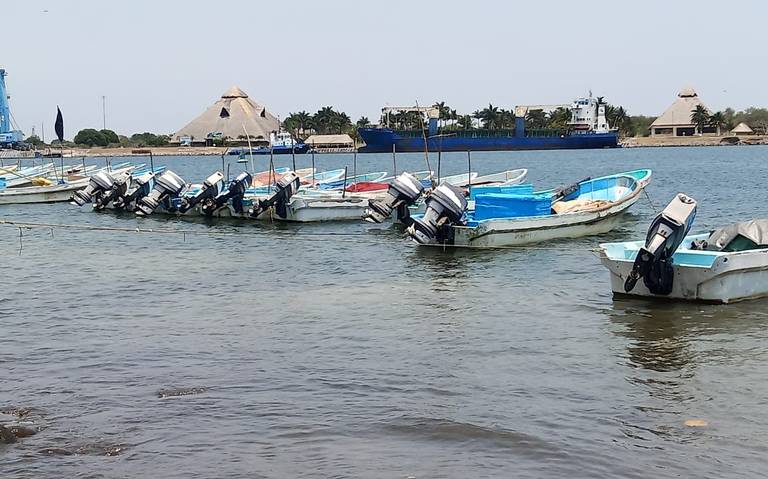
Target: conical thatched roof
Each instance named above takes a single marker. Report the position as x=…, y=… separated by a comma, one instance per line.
x=679, y=113
x=228, y=116
x=742, y=128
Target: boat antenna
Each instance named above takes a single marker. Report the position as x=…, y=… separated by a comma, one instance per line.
x=469, y=172
x=426, y=146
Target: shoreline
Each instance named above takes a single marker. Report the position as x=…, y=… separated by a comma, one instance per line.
x=633, y=142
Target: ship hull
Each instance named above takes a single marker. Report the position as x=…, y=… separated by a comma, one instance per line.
x=384, y=140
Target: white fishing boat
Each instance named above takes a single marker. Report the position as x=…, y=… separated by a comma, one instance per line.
x=727, y=265
x=509, y=177
x=509, y=218
x=52, y=192
x=41, y=194
x=458, y=180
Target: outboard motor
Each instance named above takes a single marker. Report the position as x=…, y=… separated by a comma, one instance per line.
x=120, y=184
x=445, y=208
x=211, y=188
x=287, y=186
x=168, y=186
x=128, y=194
x=654, y=260
x=402, y=193
x=233, y=193
x=99, y=183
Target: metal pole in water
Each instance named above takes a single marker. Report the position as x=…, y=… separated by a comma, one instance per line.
x=469, y=171
x=293, y=157
x=344, y=188
x=354, y=165
x=313, y=167
x=223, y=167
x=394, y=160
x=151, y=163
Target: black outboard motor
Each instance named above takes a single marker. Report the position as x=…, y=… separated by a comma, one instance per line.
x=654, y=260
x=402, y=193
x=99, y=183
x=168, y=186
x=287, y=186
x=233, y=193
x=120, y=184
x=445, y=208
x=211, y=188
x=128, y=195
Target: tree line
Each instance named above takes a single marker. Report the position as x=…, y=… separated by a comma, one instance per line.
x=91, y=137
x=726, y=120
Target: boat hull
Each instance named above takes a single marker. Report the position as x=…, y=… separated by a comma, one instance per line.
x=741, y=277
x=40, y=194
x=385, y=140
x=522, y=231
x=698, y=275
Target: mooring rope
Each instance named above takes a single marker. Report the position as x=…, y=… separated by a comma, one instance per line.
x=353, y=237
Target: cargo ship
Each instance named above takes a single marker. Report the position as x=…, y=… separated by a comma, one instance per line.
x=588, y=128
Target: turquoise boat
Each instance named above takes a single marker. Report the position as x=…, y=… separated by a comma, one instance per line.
x=517, y=215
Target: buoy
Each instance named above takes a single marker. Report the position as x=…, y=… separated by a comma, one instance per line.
x=696, y=423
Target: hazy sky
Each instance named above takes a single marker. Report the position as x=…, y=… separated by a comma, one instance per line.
x=160, y=63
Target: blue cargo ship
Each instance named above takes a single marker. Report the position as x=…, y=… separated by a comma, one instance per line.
x=588, y=128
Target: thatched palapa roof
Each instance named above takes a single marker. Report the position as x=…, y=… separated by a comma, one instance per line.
x=330, y=140
x=233, y=111
x=679, y=113
x=742, y=128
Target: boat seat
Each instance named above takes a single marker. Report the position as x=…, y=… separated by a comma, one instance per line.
x=578, y=205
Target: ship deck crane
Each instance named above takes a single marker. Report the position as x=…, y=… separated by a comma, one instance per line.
x=9, y=137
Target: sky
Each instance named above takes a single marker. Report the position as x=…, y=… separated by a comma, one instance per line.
x=160, y=63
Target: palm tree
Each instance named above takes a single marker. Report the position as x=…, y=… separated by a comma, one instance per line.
x=700, y=118
x=363, y=122
x=323, y=119
x=490, y=117
x=558, y=118
x=464, y=122
x=717, y=120
x=536, y=119
x=304, y=121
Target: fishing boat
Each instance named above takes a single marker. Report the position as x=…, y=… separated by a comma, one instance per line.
x=53, y=192
x=726, y=265
x=281, y=143
x=517, y=215
x=462, y=179
x=323, y=177
x=41, y=194
x=509, y=177
x=340, y=183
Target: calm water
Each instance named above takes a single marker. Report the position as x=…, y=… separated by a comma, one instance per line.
x=354, y=354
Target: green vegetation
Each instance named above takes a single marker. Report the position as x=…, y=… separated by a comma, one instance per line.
x=324, y=122
x=148, y=139
x=756, y=118
x=700, y=118
x=34, y=140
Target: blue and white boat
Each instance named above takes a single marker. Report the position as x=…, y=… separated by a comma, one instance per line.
x=727, y=265
x=517, y=215
x=281, y=143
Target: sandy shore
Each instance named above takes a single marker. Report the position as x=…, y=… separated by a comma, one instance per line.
x=660, y=141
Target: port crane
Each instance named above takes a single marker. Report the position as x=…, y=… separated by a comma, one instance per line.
x=9, y=137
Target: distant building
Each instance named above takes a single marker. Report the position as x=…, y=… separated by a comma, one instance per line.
x=676, y=120
x=230, y=117
x=330, y=143
x=742, y=129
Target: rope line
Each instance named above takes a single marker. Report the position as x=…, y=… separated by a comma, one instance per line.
x=338, y=236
